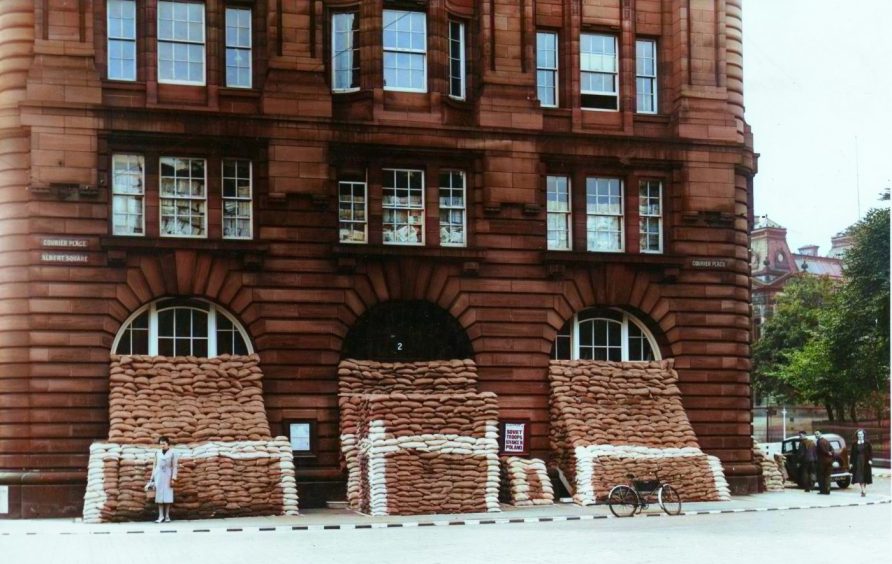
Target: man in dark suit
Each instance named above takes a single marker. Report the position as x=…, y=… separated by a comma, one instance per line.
x=807, y=455
x=825, y=463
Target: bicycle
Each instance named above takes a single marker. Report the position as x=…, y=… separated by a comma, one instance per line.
x=625, y=500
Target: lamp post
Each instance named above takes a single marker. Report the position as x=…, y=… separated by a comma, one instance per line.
x=784, y=415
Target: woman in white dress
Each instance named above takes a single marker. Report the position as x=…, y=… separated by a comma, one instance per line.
x=164, y=476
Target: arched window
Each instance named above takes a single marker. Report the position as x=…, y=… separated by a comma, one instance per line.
x=605, y=334
x=182, y=328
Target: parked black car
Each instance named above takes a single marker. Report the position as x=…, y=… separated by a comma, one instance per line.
x=839, y=473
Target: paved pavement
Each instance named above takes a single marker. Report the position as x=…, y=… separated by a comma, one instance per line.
x=341, y=519
x=826, y=535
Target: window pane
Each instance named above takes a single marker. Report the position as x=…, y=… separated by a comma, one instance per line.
x=405, y=50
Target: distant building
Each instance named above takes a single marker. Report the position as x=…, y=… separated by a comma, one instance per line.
x=774, y=264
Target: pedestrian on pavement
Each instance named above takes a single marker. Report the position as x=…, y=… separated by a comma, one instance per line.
x=825, y=463
x=807, y=455
x=861, y=461
x=164, y=477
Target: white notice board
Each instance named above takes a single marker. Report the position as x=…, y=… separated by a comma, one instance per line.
x=4, y=499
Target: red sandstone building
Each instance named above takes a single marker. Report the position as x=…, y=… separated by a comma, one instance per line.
x=312, y=180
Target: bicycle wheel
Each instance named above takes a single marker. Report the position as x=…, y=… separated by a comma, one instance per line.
x=669, y=499
x=623, y=501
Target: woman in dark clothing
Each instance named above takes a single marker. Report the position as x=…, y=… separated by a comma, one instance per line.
x=861, y=461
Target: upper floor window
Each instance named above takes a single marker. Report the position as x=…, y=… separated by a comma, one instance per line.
x=181, y=42
x=650, y=213
x=352, y=210
x=344, y=51
x=452, y=208
x=547, y=68
x=128, y=195
x=646, y=75
x=182, y=328
x=457, y=59
x=121, y=39
x=237, y=199
x=605, y=334
x=558, y=195
x=403, y=206
x=179, y=189
x=599, y=67
x=238, y=47
x=604, y=214
x=183, y=192
x=405, y=51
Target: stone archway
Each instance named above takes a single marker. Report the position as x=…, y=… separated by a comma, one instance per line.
x=407, y=331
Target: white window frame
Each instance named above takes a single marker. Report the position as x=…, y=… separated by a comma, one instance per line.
x=543, y=69
x=411, y=52
x=173, y=40
x=176, y=197
x=233, y=44
x=119, y=195
x=347, y=208
x=457, y=65
x=122, y=38
x=345, y=59
x=213, y=312
x=236, y=198
x=593, y=62
x=627, y=319
x=650, y=213
x=448, y=206
x=397, y=207
x=553, y=192
x=642, y=77
x=596, y=210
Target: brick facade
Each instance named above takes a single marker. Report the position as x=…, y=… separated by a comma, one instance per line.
x=293, y=286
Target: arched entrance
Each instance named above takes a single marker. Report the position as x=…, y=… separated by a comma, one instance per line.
x=405, y=331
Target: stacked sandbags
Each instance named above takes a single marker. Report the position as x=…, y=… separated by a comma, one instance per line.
x=186, y=399
x=215, y=479
x=781, y=462
x=694, y=475
x=418, y=438
x=435, y=377
x=771, y=479
x=600, y=408
x=212, y=411
x=528, y=481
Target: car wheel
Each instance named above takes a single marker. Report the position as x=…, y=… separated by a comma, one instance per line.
x=844, y=483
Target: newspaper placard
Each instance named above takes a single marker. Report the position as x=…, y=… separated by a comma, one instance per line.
x=514, y=437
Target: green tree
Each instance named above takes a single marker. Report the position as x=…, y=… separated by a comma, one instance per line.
x=828, y=342
x=859, y=333
x=796, y=317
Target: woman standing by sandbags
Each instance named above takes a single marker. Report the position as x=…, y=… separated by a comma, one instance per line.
x=164, y=477
x=861, y=461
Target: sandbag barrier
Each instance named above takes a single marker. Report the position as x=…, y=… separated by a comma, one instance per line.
x=212, y=410
x=186, y=399
x=610, y=419
x=214, y=479
x=418, y=438
x=528, y=481
x=771, y=478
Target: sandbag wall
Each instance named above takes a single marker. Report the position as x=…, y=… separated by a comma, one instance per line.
x=212, y=410
x=771, y=480
x=528, y=481
x=418, y=438
x=610, y=419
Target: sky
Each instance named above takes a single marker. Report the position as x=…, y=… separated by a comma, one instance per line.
x=818, y=96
